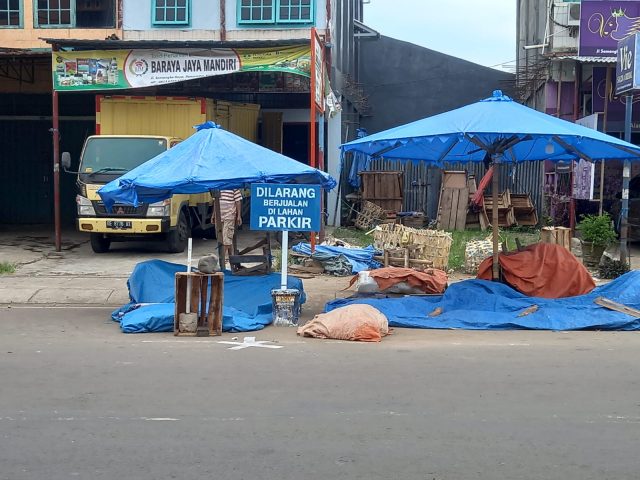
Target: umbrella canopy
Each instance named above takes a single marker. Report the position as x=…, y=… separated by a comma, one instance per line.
x=496, y=125
x=210, y=159
x=496, y=128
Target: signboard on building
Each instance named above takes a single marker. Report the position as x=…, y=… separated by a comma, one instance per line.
x=318, y=71
x=285, y=207
x=119, y=69
x=627, y=77
x=603, y=23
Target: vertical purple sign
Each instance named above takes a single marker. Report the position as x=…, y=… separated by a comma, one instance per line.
x=603, y=23
x=626, y=79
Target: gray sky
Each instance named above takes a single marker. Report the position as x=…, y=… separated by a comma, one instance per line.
x=481, y=31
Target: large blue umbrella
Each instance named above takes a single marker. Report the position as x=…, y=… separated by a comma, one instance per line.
x=210, y=159
x=496, y=127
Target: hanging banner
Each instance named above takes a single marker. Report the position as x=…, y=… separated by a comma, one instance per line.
x=120, y=69
x=318, y=70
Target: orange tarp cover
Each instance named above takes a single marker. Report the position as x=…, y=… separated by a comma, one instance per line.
x=430, y=280
x=542, y=270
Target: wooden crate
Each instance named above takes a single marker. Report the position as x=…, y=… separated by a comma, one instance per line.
x=206, y=301
x=558, y=235
x=523, y=209
x=383, y=188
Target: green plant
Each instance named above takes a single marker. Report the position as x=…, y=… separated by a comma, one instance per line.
x=597, y=229
x=6, y=267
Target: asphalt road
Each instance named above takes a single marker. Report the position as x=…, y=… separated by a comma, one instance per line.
x=78, y=399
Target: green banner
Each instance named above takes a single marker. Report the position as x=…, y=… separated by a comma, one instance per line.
x=120, y=69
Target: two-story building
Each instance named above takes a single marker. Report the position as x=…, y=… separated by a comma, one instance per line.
x=566, y=67
x=32, y=28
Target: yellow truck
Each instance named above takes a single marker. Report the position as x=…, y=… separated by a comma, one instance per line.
x=129, y=131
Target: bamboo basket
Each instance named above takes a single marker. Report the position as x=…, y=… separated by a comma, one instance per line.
x=430, y=245
x=370, y=216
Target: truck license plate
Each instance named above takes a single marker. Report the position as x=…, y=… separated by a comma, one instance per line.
x=117, y=224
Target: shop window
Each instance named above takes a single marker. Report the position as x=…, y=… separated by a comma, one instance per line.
x=294, y=11
x=171, y=12
x=95, y=13
x=75, y=13
x=10, y=13
x=275, y=11
x=54, y=13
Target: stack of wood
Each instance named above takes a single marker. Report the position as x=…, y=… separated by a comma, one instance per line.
x=454, y=212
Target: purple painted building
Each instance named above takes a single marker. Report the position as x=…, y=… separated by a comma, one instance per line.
x=566, y=67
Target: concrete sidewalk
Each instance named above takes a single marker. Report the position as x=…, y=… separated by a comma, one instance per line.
x=77, y=276
x=55, y=289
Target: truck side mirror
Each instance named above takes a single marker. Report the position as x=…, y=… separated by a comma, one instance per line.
x=66, y=160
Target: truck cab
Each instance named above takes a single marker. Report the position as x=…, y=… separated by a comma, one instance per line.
x=105, y=158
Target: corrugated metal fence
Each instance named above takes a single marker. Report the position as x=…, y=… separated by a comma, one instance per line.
x=422, y=182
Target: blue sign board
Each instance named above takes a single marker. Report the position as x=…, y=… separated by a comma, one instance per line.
x=285, y=207
x=627, y=73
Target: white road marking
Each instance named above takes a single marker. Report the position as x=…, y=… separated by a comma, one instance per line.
x=249, y=342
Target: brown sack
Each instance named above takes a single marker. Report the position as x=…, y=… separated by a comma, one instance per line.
x=353, y=322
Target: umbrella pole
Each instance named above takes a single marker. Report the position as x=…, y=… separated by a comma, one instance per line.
x=494, y=219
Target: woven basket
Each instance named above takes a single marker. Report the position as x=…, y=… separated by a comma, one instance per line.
x=370, y=216
x=431, y=245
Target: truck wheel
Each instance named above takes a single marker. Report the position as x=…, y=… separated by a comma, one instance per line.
x=99, y=243
x=177, y=239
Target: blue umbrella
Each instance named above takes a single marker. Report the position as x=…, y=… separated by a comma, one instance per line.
x=496, y=127
x=210, y=159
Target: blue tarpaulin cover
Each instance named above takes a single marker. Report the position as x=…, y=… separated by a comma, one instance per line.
x=359, y=163
x=359, y=258
x=484, y=305
x=456, y=136
x=210, y=159
x=247, y=300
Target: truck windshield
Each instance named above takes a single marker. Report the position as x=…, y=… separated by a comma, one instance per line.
x=119, y=155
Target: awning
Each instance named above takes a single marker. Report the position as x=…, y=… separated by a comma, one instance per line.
x=580, y=59
x=79, y=44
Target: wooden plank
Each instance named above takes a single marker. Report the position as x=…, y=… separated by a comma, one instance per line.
x=484, y=219
x=214, y=315
x=455, y=200
x=463, y=205
x=454, y=179
x=618, y=307
x=236, y=259
x=445, y=208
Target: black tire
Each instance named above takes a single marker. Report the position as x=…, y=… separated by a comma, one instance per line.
x=178, y=238
x=99, y=243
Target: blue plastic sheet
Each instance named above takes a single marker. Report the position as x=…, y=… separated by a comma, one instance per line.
x=483, y=305
x=247, y=300
x=359, y=258
x=454, y=136
x=210, y=159
x=360, y=162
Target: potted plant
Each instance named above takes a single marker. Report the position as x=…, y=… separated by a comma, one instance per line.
x=597, y=233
